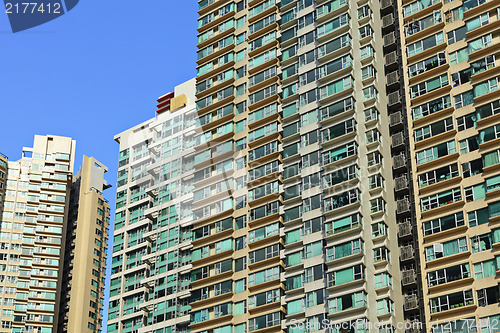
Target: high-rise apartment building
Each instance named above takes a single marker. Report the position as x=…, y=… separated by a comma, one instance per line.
x=3, y=174
x=449, y=61
x=150, y=272
x=33, y=227
x=295, y=92
x=85, y=251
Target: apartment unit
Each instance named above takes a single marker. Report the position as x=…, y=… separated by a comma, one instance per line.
x=449, y=57
x=150, y=272
x=85, y=251
x=33, y=228
x=295, y=217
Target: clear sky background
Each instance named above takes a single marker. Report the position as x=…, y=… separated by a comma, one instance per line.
x=93, y=73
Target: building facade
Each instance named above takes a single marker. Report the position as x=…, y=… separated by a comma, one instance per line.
x=85, y=251
x=150, y=272
x=449, y=60
x=33, y=225
x=33, y=221
x=300, y=88
x=3, y=176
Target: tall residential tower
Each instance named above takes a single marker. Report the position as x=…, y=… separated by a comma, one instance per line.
x=33, y=242
x=150, y=270
x=85, y=252
x=295, y=91
x=449, y=61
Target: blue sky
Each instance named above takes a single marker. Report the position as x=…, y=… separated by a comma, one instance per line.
x=93, y=73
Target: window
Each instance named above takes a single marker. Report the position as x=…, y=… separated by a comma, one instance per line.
x=454, y=14
x=425, y=44
x=343, y=224
x=241, y=38
x=456, y=35
x=383, y=280
x=487, y=296
x=374, y=158
x=428, y=64
x=475, y=192
x=433, y=129
x=371, y=114
x=443, y=223
x=309, y=138
x=436, y=152
x=431, y=107
x=367, y=72
x=268, y=320
x=459, y=56
x=485, y=87
x=384, y=306
x=364, y=11
x=344, y=249
x=379, y=229
x=241, y=55
x=345, y=275
x=479, y=43
x=372, y=136
x=240, y=308
x=366, y=51
x=263, y=276
x=483, y=64
x=332, y=25
x=428, y=86
x=348, y=301
x=369, y=93
x=450, y=301
x=441, y=199
x=485, y=269
x=381, y=254
x=266, y=297
x=440, y=250
x=340, y=176
x=377, y=205
x=240, y=285
x=365, y=31
x=240, y=243
x=448, y=274
x=485, y=241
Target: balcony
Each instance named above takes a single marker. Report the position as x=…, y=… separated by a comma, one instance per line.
x=390, y=40
x=388, y=21
x=397, y=140
x=392, y=78
x=411, y=302
x=386, y=4
x=396, y=119
x=409, y=277
x=403, y=206
x=391, y=59
x=394, y=98
x=401, y=183
x=407, y=252
x=405, y=229
x=399, y=161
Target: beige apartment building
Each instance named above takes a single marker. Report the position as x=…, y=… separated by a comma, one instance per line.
x=451, y=78
x=85, y=253
x=33, y=226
